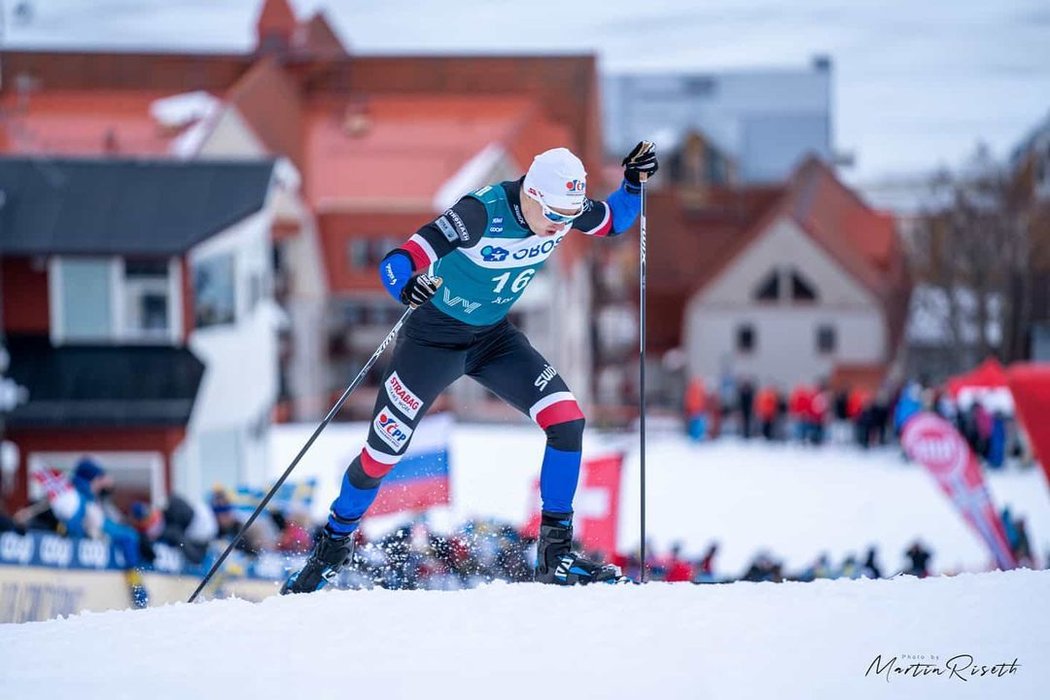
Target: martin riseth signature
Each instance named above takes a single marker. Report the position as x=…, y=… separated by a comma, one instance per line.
x=961, y=667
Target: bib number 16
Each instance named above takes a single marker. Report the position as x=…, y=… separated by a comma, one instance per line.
x=519, y=283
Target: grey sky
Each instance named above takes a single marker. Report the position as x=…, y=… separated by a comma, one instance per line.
x=917, y=84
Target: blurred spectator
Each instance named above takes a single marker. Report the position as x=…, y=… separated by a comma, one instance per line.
x=1022, y=548
x=295, y=535
x=1017, y=538
x=871, y=564
x=186, y=527
x=976, y=427
x=908, y=404
x=696, y=409
x=821, y=568
x=997, y=441
x=745, y=404
x=918, y=560
x=798, y=407
x=260, y=537
x=705, y=569
x=764, y=568
x=840, y=427
x=878, y=418
x=814, y=414
x=678, y=569
x=766, y=406
x=94, y=518
x=8, y=524
x=850, y=569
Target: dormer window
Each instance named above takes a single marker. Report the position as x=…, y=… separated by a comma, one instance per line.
x=768, y=288
x=801, y=288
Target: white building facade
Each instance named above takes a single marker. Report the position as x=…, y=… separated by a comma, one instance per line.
x=782, y=311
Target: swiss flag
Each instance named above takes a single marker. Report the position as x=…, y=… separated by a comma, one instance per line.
x=597, y=504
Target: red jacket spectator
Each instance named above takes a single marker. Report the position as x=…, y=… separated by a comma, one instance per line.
x=766, y=404
x=695, y=398
x=858, y=400
x=800, y=402
x=679, y=571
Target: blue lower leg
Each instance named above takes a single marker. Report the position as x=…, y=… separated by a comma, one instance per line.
x=558, y=478
x=350, y=505
x=561, y=465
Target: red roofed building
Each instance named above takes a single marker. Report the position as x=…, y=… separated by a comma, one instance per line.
x=779, y=283
x=379, y=145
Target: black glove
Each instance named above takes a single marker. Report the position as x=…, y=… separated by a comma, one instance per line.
x=419, y=289
x=641, y=160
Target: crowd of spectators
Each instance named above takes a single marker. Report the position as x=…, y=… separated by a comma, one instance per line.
x=815, y=414
x=410, y=556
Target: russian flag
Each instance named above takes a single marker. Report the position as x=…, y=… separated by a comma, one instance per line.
x=421, y=479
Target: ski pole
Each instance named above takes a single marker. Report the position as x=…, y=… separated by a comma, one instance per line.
x=641, y=365
x=287, y=472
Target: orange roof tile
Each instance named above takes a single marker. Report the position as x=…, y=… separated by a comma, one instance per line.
x=268, y=99
x=401, y=149
x=860, y=238
x=84, y=122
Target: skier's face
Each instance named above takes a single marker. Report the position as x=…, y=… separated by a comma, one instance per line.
x=539, y=221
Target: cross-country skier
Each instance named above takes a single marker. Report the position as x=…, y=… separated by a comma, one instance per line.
x=484, y=252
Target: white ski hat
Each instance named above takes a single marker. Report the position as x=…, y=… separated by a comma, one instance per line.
x=557, y=178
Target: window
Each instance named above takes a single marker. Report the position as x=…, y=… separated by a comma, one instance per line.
x=801, y=289
x=826, y=339
x=769, y=288
x=85, y=303
x=214, y=298
x=700, y=85
x=745, y=338
x=365, y=253
x=112, y=299
x=357, y=250
x=146, y=299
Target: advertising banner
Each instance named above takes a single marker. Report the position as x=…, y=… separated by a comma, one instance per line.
x=938, y=446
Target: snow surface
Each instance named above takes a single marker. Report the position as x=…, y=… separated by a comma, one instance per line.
x=734, y=641
x=789, y=500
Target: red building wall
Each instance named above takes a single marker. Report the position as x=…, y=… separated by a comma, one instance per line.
x=25, y=296
x=338, y=229
x=162, y=440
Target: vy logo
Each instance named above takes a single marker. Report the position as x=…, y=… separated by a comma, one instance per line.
x=468, y=305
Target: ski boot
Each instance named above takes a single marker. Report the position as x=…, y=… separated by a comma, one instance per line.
x=330, y=554
x=556, y=562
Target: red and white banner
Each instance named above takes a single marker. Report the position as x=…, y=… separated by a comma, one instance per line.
x=1030, y=385
x=596, y=506
x=937, y=445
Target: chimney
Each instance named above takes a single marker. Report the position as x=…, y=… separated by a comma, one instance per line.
x=274, y=28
